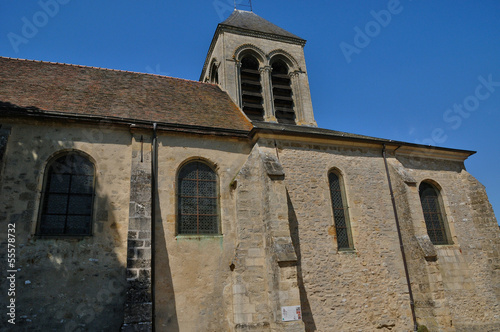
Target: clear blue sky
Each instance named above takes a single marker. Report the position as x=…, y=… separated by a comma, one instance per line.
x=401, y=84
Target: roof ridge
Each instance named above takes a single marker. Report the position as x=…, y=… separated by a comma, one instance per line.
x=102, y=68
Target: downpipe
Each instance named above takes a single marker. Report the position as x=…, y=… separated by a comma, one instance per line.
x=154, y=191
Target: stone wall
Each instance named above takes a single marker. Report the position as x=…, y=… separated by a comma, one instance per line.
x=66, y=284
x=277, y=247
x=363, y=289
x=458, y=290
x=4, y=138
x=139, y=302
x=193, y=274
x=265, y=266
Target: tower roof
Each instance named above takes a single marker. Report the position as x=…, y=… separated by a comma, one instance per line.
x=246, y=20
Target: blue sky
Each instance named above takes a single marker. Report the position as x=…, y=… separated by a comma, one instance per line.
x=419, y=74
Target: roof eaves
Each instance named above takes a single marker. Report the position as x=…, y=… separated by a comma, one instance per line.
x=9, y=110
x=291, y=130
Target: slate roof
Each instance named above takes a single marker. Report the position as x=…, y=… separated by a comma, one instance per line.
x=89, y=91
x=250, y=21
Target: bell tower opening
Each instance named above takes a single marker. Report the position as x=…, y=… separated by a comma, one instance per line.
x=251, y=89
x=262, y=68
x=214, y=74
x=282, y=93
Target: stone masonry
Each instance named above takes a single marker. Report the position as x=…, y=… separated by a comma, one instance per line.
x=265, y=262
x=138, y=306
x=4, y=137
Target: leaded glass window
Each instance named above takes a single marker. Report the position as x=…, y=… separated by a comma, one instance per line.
x=434, y=219
x=340, y=212
x=198, y=203
x=68, y=196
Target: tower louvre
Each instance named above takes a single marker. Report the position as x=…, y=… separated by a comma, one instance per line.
x=262, y=67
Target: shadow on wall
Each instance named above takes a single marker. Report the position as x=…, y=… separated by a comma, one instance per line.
x=65, y=284
x=307, y=316
x=166, y=317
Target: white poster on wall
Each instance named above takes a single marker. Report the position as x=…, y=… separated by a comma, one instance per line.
x=291, y=313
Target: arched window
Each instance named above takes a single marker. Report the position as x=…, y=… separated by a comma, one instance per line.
x=251, y=89
x=340, y=212
x=433, y=216
x=67, y=197
x=214, y=74
x=198, y=210
x=282, y=93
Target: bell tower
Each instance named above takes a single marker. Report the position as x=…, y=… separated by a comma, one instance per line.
x=262, y=67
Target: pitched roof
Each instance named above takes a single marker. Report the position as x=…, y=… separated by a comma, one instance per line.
x=250, y=21
x=89, y=91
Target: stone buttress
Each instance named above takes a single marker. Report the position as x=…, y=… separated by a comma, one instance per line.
x=265, y=263
x=138, y=305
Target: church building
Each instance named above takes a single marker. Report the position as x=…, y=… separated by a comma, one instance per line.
x=143, y=202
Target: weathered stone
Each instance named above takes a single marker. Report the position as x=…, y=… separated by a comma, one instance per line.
x=272, y=165
x=427, y=247
x=138, y=313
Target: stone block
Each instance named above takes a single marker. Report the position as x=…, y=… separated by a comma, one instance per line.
x=132, y=273
x=272, y=165
x=138, y=313
x=138, y=327
x=243, y=318
x=135, y=243
x=239, y=289
x=257, y=261
x=138, y=263
x=138, y=292
x=405, y=174
x=143, y=253
x=427, y=247
x=140, y=224
x=144, y=235
x=246, y=308
x=285, y=252
x=255, y=252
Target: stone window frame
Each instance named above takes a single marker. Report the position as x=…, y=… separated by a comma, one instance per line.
x=214, y=169
x=213, y=72
x=43, y=188
x=265, y=61
x=446, y=227
x=345, y=202
x=251, y=51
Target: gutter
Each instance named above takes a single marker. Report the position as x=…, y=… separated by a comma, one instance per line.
x=401, y=246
